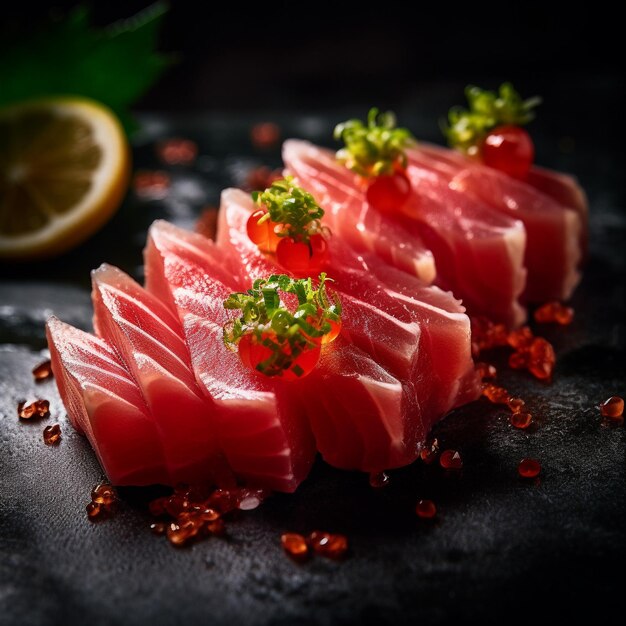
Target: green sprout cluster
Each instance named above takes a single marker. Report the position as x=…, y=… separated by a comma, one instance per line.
x=287, y=334
x=375, y=148
x=466, y=129
x=292, y=207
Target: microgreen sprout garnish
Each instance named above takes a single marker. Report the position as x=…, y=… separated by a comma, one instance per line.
x=292, y=207
x=274, y=340
x=288, y=222
x=467, y=128
x=375, y=149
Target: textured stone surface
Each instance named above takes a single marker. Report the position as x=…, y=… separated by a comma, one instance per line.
x=497, y=549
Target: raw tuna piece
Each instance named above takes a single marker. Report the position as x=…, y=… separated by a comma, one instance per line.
x=148, y=339
x=554, y=231
x=104, y=403
x=478, y=253
x=440, y=373
x=261, y=426
x=349, y=217
x=391, y=341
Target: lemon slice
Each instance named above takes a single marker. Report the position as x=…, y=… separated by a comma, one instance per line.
x=64, y=170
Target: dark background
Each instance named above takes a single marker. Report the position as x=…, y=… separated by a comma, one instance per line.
x=318, y=55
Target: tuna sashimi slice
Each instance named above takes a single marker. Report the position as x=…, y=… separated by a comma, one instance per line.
x=104, y=402
x=261, y=425
x=362, y=417
x=553, y=231
x=478, y=252
x=390, y=340
x=348, y=215
x=148, y=339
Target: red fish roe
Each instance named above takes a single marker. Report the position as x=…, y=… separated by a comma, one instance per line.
x=103, y=494
x=378, y=480
x=520, y=338
x=151, y=185
x=33, y=408
x=486, y=335
x=265, y=135
x=250, y=499
x=430, y=451
x=495, y=394
x=333, y=546
x=451, y=459
x=542, y=359
x=529, y=468
x=52, y=434
x=295, y=546
x=177, y=151
x=94, y=511
x=43, y=371
x=179, y=535
x=516, y=404
x=486, y=371
x=519, y=360
x=554, y=312
x=521, y=419
x=426, y=509
x=613, y=407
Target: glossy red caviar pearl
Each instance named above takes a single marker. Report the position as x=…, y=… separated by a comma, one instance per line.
x=333, y=333
x=529, y=468
x=486, y=371
x=43, y=371
x=521, y=420
x=612, y=407
x=333, y=546
x=264, y=234
x=52, y=434
x=510, y=150
x=554, y=312
x=516, y=404
x=451, y=459
x=495, y=394
x=103, y=494
x=389, y=192
x=541, y=359
x=520, y=338
x=430, y=451
x=94, y=510
x=426, y=509
x=33, y=408
x=295, y=546
x=378, y=480
x=300, y=258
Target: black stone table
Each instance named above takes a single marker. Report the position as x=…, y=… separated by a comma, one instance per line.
x=501, y=550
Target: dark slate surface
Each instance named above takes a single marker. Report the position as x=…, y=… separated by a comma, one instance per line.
x=501, y=549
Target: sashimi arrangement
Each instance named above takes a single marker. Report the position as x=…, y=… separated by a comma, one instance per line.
x=331, y=312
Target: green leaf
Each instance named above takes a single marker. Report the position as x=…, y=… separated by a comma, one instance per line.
x=114, y=65
x=467, y=128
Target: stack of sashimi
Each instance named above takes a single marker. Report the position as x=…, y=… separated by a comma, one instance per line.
x=363, y=350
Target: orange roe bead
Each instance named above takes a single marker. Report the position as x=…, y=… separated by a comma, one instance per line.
x=52, y=434
x=33, y=408
x=208, y=515
x=178, y=535
x=176, y=504
x=542, y=359
x=554, y=312
x=519, y=360
x=265, y=135
x=94, y=510
x=216, y=527
x=516, y=404
x=486, y=371
x=430, y=451
x=521, y=419
x=103, y=494
x=177, y=151
x=613, y=407
x=378, y=480
x=529, y=468
x=158, y=528
x=150, y=185
x=495, y=394
x=426, y=509
x=520, y=338
x=43, y=371
x=295, y=546
x=451, y=459
x=333, y=546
